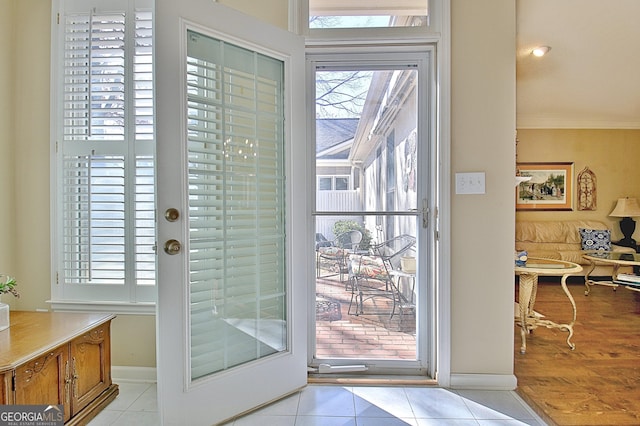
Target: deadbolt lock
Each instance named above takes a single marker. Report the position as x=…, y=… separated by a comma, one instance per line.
x=172, y=214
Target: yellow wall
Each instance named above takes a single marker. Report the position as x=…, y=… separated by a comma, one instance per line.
x=611, y=154
x=7, y=234
x=275, y=12
x=483, y=128
x=31, y=151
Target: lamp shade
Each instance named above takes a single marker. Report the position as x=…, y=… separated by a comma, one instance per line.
x=626, y=207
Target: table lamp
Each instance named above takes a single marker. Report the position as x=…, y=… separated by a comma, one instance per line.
x=626, y=208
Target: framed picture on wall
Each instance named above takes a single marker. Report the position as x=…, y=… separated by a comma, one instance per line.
x=550, y=186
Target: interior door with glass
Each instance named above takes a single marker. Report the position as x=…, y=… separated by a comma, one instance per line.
x=232, y=296
x=374, y=307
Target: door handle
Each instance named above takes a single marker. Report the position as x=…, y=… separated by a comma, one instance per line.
x=172, y=247
x=424, y=211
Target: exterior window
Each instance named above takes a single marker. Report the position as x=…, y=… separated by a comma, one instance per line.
x=325, y=184
x=367, y=14
x=342, y=183
x=333, y=183
x=104, y=163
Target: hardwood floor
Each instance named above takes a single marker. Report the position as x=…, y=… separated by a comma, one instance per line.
x=598, y=383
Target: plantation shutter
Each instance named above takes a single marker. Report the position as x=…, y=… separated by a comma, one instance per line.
x=106, y=196
x=236, y=205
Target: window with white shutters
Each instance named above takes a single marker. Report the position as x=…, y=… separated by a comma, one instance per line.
x=104, y=156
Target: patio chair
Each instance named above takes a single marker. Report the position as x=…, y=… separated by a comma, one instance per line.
x=334, y=254
x=371, y=276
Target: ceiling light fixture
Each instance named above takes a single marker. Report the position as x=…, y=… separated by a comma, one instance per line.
x=540, y=50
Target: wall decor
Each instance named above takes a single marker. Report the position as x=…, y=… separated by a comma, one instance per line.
x=550, y=187
x=587, y=194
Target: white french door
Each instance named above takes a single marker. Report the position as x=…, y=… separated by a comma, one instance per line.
x=232, y=291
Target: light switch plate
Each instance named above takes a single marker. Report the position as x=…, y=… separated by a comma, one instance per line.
x=470, y=183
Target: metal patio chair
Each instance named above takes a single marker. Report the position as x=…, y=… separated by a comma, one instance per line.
x=371, y=276
x=334, y=254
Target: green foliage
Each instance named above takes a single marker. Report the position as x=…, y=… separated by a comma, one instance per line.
x=343, y=226
x=9, y=286
x=558, y=180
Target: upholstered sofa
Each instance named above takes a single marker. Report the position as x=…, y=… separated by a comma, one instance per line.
x=562, y=240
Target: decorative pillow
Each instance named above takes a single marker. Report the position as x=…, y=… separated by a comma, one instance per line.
x=595, y=239
x=331, y=251
x=368, y=266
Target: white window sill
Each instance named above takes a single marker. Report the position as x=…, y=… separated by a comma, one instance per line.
x=122, y=308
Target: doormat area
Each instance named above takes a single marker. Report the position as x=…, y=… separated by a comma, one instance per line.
x=328, y=310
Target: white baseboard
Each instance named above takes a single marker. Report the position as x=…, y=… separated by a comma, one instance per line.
x=123, y=374
x=484, y=381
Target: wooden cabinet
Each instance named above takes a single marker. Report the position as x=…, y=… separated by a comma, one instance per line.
x=59, y=359
x=42, y=380
x=5, y=388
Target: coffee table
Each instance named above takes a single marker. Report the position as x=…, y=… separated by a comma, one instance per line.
x=614, y=258
x=528, y=319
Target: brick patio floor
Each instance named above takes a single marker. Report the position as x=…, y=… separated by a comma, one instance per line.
x=362, y=336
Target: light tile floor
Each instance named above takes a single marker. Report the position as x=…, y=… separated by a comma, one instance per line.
x=324, y=405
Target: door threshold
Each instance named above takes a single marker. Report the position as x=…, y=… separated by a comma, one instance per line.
x=370, y=380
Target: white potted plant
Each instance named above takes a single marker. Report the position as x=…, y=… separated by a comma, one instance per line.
x=7, y=285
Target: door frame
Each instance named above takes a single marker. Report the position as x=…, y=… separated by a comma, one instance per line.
x=440, y=35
